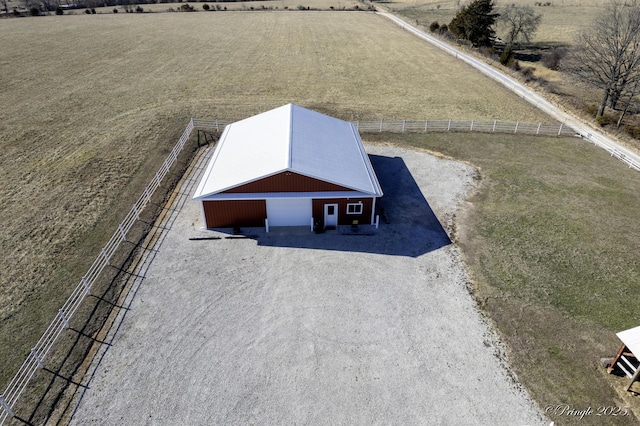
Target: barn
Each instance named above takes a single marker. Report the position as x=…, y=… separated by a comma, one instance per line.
x=289, y=166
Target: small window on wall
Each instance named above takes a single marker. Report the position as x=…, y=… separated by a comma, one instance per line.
x=354, y=208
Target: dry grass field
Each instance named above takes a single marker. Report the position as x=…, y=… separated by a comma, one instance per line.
x=93, y=103
x=561, y=20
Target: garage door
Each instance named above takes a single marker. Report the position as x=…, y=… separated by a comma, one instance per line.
x=289, y=212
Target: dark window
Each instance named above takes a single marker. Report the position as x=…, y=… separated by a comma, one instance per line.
x=354, y=208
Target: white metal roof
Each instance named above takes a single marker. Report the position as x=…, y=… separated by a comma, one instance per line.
x=631, y=338
x=289, y=138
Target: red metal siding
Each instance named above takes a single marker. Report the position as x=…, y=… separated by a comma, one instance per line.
x=343, y=217
x=286, y=182
x=235, y=213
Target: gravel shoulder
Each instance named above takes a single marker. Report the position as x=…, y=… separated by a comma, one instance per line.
x=301, y=328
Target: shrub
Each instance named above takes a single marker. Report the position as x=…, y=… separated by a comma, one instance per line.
x=608, y=118
x=592, y=109
x=206, y=6
x=93, y=11
x=507, y=56
x=115, y=10
x=186, y=8
x=59, y=11
x=633, y=131
x=434, y=26
x=139, y=9
x=552, y=59
x=34, y=11
x=487, y=51
x=527, y=72
x=444, y=29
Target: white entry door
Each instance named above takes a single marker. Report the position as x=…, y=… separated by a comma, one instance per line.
x=330, y=215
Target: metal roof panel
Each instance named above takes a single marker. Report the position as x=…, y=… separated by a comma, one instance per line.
x=289, y=138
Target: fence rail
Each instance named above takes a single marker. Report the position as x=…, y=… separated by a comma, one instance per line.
x=494, y=126
x=37, y=356
x=406, y=126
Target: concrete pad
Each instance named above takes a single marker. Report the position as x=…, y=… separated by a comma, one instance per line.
x=303, y=328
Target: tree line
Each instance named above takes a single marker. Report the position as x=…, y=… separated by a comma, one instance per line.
x=44, y=6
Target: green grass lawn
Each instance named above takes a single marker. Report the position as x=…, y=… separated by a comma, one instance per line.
x=551, y=239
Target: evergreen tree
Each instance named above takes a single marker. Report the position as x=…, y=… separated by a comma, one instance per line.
x=475, y=23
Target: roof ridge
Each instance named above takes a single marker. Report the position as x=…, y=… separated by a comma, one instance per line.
x=290, y=141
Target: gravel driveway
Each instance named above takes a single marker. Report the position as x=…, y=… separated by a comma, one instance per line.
x=299, y=328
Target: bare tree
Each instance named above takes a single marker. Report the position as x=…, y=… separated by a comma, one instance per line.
x=629, y=95
x=607, y=55
x=521, y=22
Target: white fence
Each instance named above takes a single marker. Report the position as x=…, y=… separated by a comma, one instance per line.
x=602, y=142
x=494, y=126
x=406, y=126
x=39, y=353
